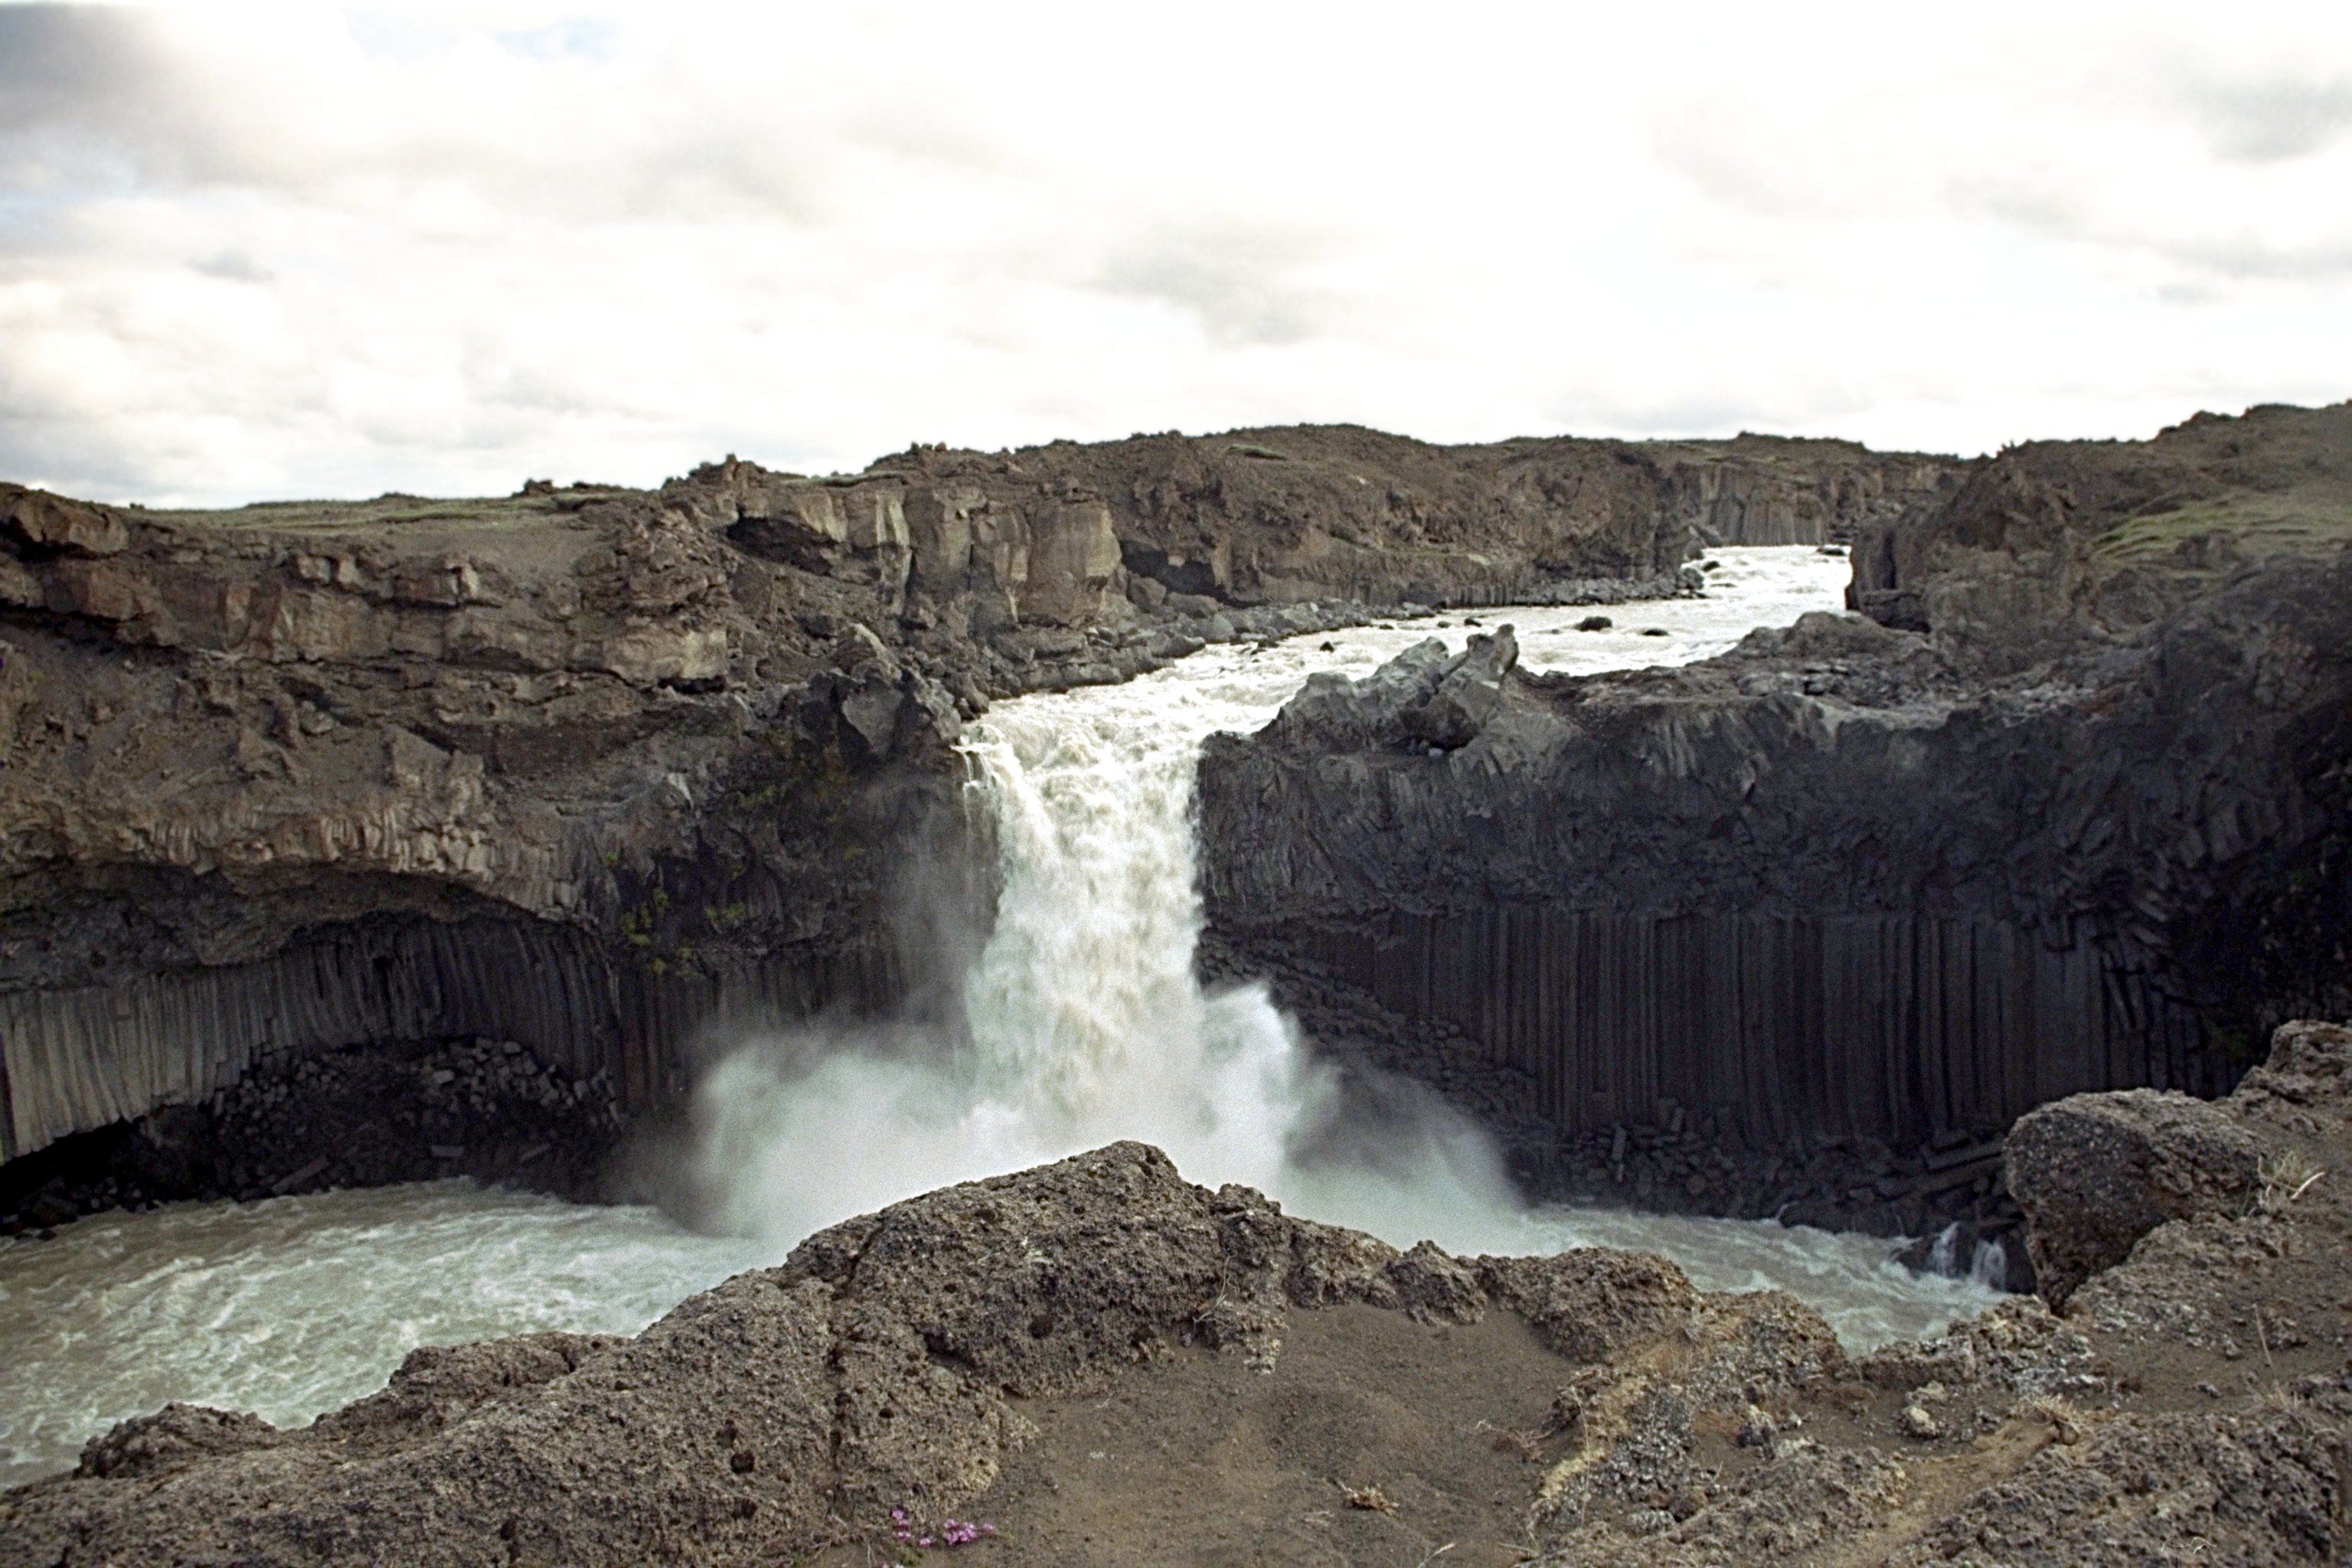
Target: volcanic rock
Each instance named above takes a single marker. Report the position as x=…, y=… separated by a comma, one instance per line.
x=2062, y=811
x=2094, y=1173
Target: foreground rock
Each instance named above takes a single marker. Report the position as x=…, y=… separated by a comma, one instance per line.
x=2097, y=1172
x=888, y=1364
x=1107, y=1365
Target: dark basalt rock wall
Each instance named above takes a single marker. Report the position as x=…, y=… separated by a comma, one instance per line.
x=1900, y=1029
x=602, y=771
x=79, y=1058
x=2077, y=818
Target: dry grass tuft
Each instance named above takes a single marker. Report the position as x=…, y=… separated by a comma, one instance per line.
x=2286, y=1176
x=1509, y=1440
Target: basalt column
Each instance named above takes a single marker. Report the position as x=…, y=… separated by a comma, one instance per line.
x=1897, y=1029
x=80, y=1059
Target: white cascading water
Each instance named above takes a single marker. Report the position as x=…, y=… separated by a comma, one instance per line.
x=1084, y=1023
x=1084, y=1020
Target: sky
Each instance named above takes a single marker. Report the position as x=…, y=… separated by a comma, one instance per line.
x=285, y=251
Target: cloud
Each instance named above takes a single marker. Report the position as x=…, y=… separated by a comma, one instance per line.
x=2242, y=251
x=86, y=93
x=1246, y=285
x=68, y=62
x=304, y=249
x=234, y=266
x=2265, y=122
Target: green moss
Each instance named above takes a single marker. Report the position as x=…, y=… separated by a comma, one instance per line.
x=2251, y=523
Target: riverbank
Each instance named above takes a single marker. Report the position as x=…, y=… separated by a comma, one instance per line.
x=1101, y=1362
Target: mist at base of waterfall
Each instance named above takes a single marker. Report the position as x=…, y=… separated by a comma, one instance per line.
x=799, y=1136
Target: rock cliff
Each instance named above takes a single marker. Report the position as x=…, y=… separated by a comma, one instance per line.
x=592, y=771
x=2067, y=810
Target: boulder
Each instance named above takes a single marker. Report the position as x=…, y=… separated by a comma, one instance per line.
x=2094, y=1173
x=1469, y=693
x=54, y=523
x=1339, y=711
x=2309, y=1066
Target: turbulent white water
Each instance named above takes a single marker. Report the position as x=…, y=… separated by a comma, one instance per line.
x=1083, y=1024
x=295, y=1306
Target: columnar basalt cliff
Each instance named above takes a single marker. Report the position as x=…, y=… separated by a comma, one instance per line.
x=2069, y=810
x=588, y=771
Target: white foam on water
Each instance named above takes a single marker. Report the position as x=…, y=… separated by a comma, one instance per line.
x=292, y=1307
x=1083, y=1024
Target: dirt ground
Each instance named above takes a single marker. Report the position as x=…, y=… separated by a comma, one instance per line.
x=1196, y=1457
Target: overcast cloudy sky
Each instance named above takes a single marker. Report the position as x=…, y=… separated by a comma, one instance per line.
x=313, y=250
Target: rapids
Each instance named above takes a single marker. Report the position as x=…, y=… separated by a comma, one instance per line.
x=1082, y=1023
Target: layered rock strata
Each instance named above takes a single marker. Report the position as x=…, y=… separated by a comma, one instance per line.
x=2068, y=810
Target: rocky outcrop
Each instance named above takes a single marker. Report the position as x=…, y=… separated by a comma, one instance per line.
x=884, y=1365
x=1095, y=1354
x=2087, y=830
x=2095, y=1172
x=1772, y=489
x=1338, y=512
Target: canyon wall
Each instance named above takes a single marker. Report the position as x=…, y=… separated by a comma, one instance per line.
x=2075, y=817
x=83, y=1057
x=1900, y=1029
x=612, y=773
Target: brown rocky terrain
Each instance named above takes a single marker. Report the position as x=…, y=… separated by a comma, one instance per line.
x=1102, y=1364
x=592, y=771
x=2069, y=809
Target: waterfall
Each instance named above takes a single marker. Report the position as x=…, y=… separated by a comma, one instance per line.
x=1083, y=1021
x=1944, y=1257
x=1082, y=1018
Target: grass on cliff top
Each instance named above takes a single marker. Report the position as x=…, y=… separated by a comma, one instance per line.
x=387, y=510
x=2244, y=525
